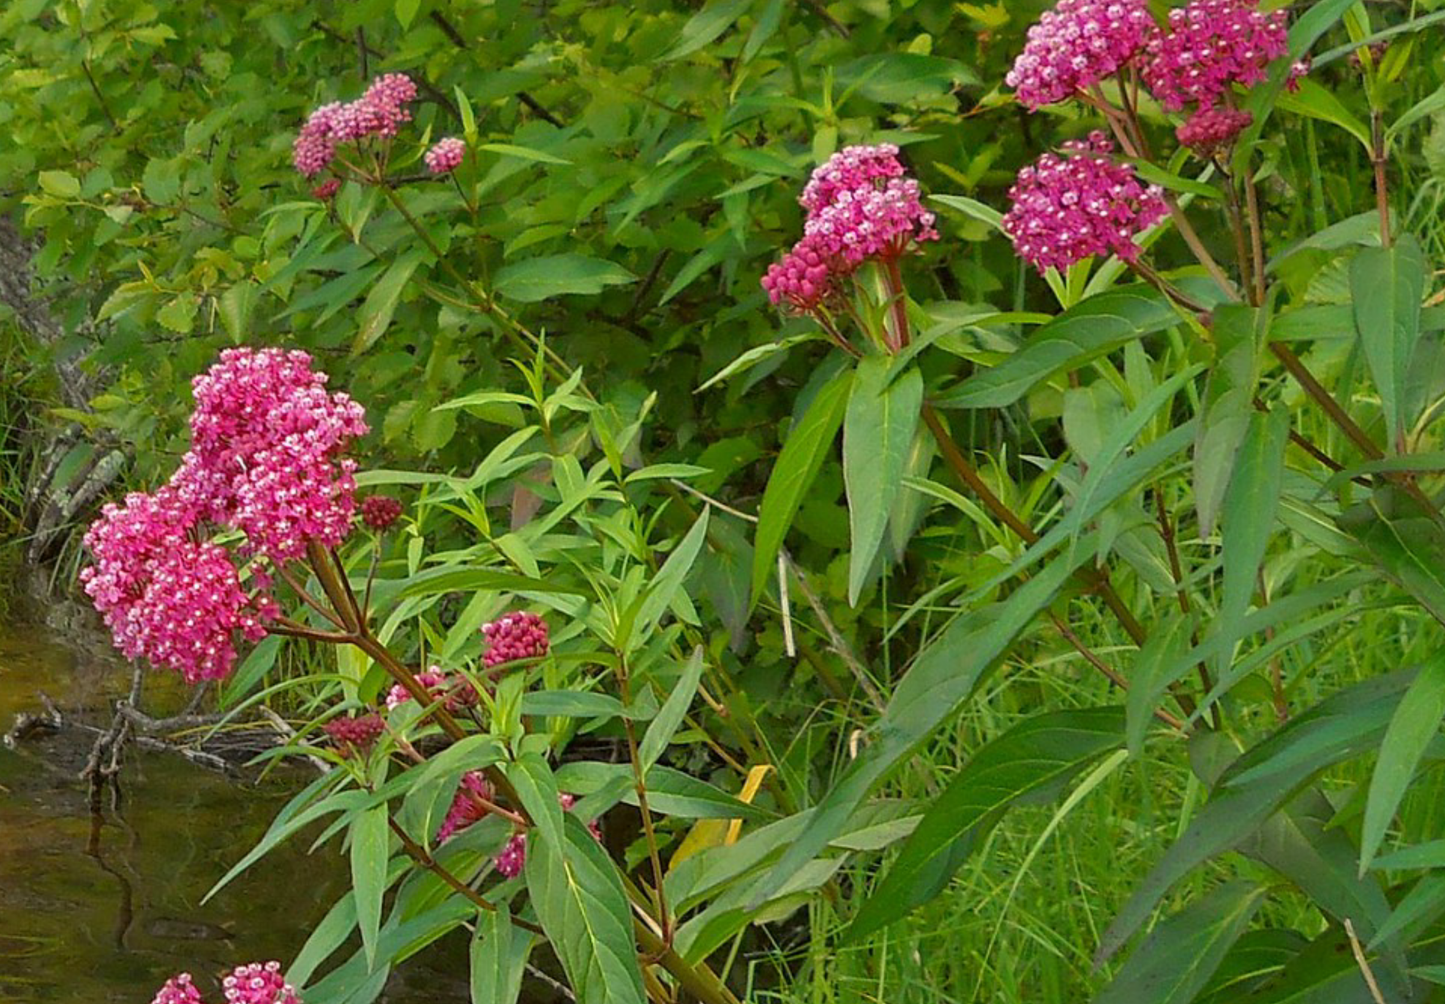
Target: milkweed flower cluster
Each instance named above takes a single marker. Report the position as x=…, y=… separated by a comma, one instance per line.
x=1079, y=204
x=1209, y=46
x=379, y=511
x=861, y=207
x=466, y=808
x=1075, y=46
x=459, y=693
x=254, y=983
x=355, y=733
x=513, y=857
x=265, y=458
x=445, y=155
x=1212, y=129
x=379, y=112
x=517, y=635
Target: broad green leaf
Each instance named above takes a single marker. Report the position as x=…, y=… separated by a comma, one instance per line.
x=942, y=677
x=1407, y=544
x=578, y=896
x=972, y=208
x=1312, y=99
x=537, y=788
x=674, y=709
x=704, y=27
x=877, y=433
x=1097, y=326
x=1415, y=723
x=1148, y=684
x=902, y=77
x=558, y=275
x=236, y=307
x=793, y=473
x=571, y=704
x=61, y=184
x=664, y=588
x=498, y=956
x=325, y=939
x=1388, y=287
x=1257, y=784
x=1228, y=406
x=670, y=792
x=370, y=842
x=1250, y=504
x=1038, y=753
x=1180, y=955
x=375, y=314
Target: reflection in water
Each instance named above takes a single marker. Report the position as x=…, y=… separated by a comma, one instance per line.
x=103, y=906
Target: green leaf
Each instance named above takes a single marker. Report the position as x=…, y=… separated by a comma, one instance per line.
x=406, y=12
x=1415, y=723
x=751, y=358
x=897, y=78
x=663, y=590
x=498, y=957
x=1388, y=287
x=1182, y=953
x=1228, y=405
x=61, y=184
x=1406, y=542
x=1096, y=326
x=939, y=681
x=523, y=153
x=797, y=465
x=1148, y=682
x=674, y=709
x=877, y=434
x=452, y=579
x=571, y=704
x=972, y=208
x=670, y=792
x=1311, y=99
x=305, y=807
x=236, y=306
x=578, y=896
x=706, y=26
x=370, y=841
x=1037, y=754
x=1422, y=905
x=1250, y=505
x=569, y=274
x=375, y=314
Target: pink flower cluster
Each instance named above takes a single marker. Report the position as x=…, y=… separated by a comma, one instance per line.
x=255, y=983
x=266, y=440
x=445, y=155
x=517, y=635
x=458, y=692
x=1212, y=129
x=266, y=445
x=1071, y=207
x=1210, y=45
x=379, y=511
x=1076, y=45
x=465, y=808
x=165, y=596
x=378, y=112
x=356, y=733
x=861, y=207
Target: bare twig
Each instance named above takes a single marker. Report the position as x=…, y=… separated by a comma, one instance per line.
x=1363, y=963
x=836, y=641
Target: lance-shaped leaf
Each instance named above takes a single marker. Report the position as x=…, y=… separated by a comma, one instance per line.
x=1416, y=722
x=1093, y=328
x=798, y=463
x=498, y=958
x=578, y=896
x=1038, y=753
x=1228, y=405
x=1388, y=287
x=877, y=433
x=1406, y=542
x=370, y=840
x=1180, y=955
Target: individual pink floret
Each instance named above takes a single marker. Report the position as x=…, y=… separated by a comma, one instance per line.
x=179, y=989
x=1078, y=205
x=517, y=635
x=259, y=983
x=1075, y=46
x=445, y=155
x=1208, y=47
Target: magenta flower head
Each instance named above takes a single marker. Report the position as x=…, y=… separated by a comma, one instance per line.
x=445, y=155
x=513, y=857
x=266, y=457
x=179, y=989
x=378, y=112
x=379, y=511
x=433, y=680
x=315, y=145
x=1213, y=129
x=861, y=207
x=327, y=189
x=1209, y=46
x=465, y=808
x=355, y=733
x=1080, y=204
x=517, y=635
x=166, y=597
x=258, y=983
x=1075, y=46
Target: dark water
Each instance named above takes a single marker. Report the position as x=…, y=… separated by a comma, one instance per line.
x=102, y=907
